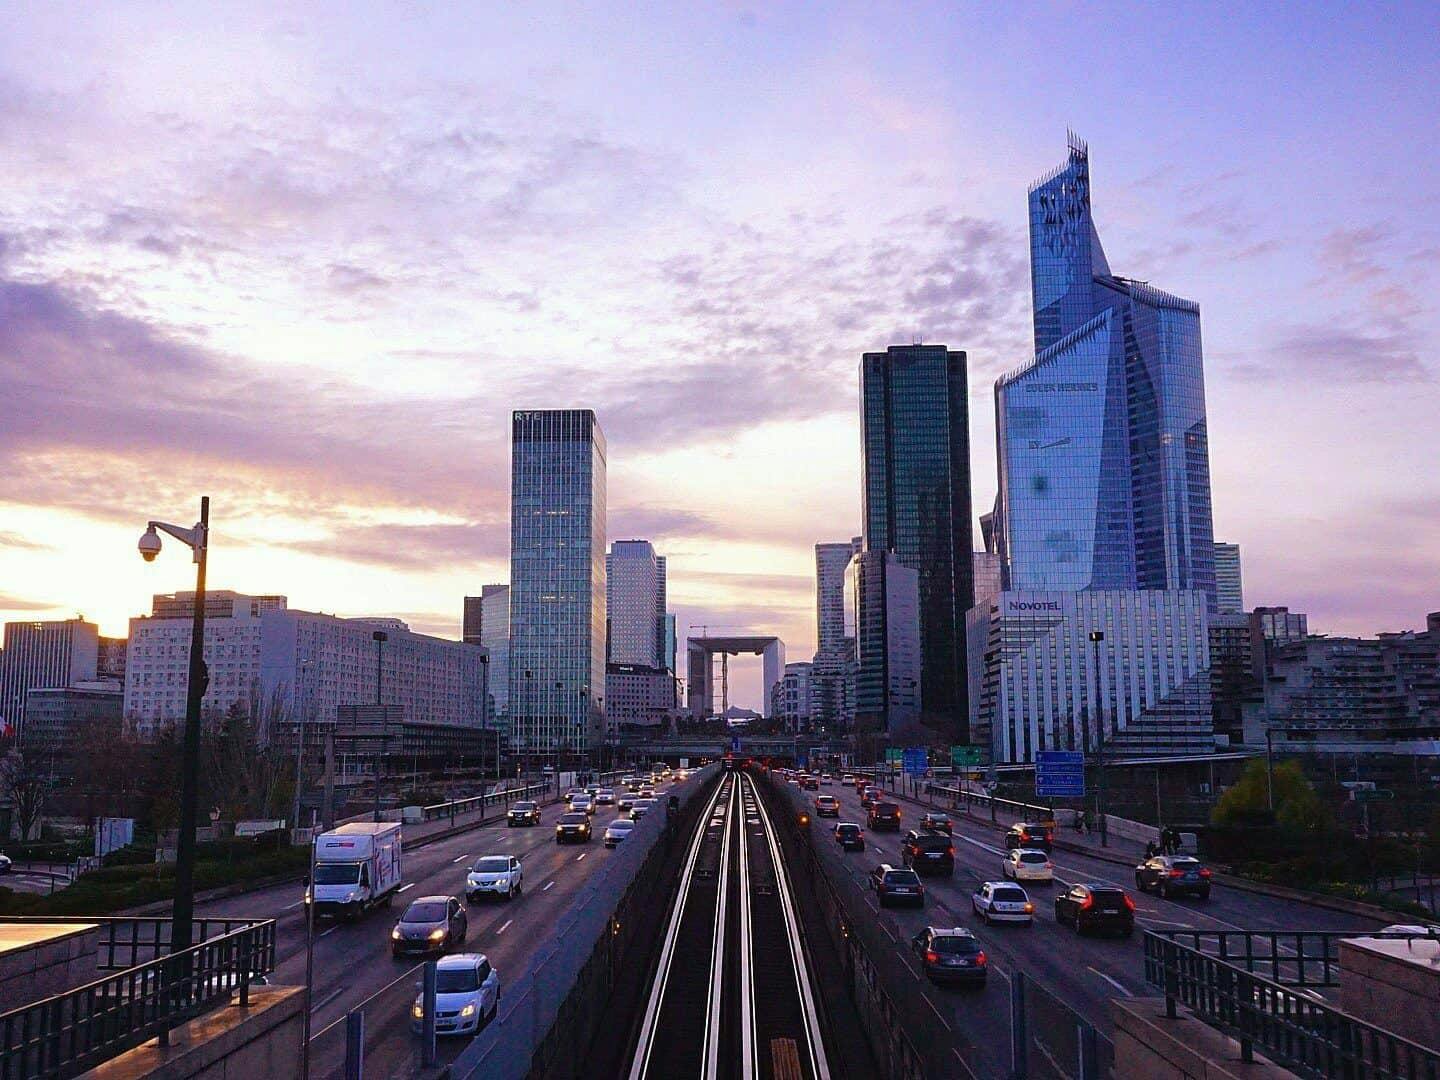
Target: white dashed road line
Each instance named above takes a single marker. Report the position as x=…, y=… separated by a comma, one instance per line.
x=462, y=858
x=1111, y=981
x=581, y=855
x=509, y=921
x=403, y=888
x=548, y=887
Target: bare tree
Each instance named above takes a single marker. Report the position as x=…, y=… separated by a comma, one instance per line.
x=25, y=782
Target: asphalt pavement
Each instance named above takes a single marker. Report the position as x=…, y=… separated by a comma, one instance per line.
x=1082, y=972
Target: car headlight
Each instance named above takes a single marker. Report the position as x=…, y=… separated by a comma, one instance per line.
x=471, y=879
x=417, y=1011
x=436, y=935
x=395, y=934
x=468, y=1010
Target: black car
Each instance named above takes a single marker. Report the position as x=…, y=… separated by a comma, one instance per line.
x=893, y=885
x=928, y=853
x=936, y=823
x=1096, y=907
x=523, y=813
x=573, y=828
x=1036, y=835
x=950, y=954
x=1173, y=875
x=885, y=815
x=850, y=836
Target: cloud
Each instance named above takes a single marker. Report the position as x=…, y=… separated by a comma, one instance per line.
x=657, y=523
x=414, y=547
x=17, y=603
x=15, y=540
x=1331, y=354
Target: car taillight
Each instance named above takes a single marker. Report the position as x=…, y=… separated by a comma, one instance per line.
x=931, y=956
x=1024, y=837
x=951, y=850
x=1087, y=903
x=1177, y=873
x=1029, y=909
x=1128, y=902
x=980, y=959
x=1205, y=871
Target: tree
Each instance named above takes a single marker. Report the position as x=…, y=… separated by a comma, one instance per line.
x=1248, y=801
x=26, y=782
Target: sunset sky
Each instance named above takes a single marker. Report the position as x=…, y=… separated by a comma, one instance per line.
x=306, y=259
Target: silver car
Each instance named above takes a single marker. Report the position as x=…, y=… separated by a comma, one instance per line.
x=467, y=996
x=640, y=808
x=430, y=924
x=618, y=830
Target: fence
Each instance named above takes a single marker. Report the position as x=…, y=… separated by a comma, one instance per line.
x=1289, y=1026
x=70, y=1032
x=1309, y=958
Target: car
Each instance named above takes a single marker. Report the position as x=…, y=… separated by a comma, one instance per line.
x=936, y=822
x=869, y=797
x=582, y=804
x=467, y=995
x=618, y=830
x=952, y=953
x=625, y=801
x=1173, y=875
x=1027, y=864
x=1096, y=906
x=573, y=794
x=641, y=808
x=646, y=792
x=810, y=783
x=631, y=783
x=1001, y=901
x=847, y=778
x=827, y=806
x=605, y=797
x=573, y=828
x=5, y=864
x=825, y=779
x=523, y=813
x=591, y=789
x=893, y=884
x=1027, y=834
x=885, y=815
x=928, y=853
x=430, y=924
x=850, y=836
x=495, y=875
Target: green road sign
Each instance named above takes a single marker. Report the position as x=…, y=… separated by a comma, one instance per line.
x=894, y=754
x=1377, y=795
x=964, y=755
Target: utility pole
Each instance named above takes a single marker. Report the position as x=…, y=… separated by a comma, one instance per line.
x=380, y=637
x=1096, y=637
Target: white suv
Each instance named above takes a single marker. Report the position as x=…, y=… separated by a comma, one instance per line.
x=467, y=995
x=495, y=875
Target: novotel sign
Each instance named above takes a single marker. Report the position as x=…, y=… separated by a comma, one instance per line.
x=1032, y=605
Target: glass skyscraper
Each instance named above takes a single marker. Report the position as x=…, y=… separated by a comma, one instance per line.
x=557, y=581
x=915, y=432
x=1102, y=444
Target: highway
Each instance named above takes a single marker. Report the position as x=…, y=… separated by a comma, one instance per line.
x=353, y=960
x=1084, y=972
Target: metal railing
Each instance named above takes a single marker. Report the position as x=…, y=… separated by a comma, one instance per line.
x=71, y=1032
x=1289, y=1026
x=1309, y=958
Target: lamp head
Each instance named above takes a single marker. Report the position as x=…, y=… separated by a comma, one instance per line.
x=149, y=544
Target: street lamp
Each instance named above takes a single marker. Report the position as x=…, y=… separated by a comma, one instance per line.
x=1096, y=637
x=380, y=637
x=197, y=540
x=304, y=690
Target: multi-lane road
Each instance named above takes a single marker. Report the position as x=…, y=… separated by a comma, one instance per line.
x=353, y=962
x=1083, y=972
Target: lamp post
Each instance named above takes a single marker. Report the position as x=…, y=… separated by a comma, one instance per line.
x=379, y=637
x=1096, y=637
x=197, y=539
x=300, y=739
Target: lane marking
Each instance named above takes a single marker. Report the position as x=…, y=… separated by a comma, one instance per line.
x=548, y=887
x=1111, y=981
x=581, y=855
x=462, y=858
x=289, y=907
x=404, y=887
x=509, y=921
x=317, y=1006
x=327, y=933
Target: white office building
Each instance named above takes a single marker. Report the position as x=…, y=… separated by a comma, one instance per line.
x=495, y=637
x=1229, y=591
x=1039, y=682
x=635, y=604
x=43, y=655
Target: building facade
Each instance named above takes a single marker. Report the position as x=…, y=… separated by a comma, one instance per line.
x=883, y=608
x=1041, y=683
x=495, y=637
x=915, y=468
x=791, y=697
x=1101, y=439
x=638, y=696
x=635, y=604
x=831, y=559
x=42, y=655
x=62, y=722
x=987, y=578
x=557, y=581
x=1229, y=589
x=472, y=620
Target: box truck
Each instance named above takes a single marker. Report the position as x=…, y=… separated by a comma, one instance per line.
x=357, y=866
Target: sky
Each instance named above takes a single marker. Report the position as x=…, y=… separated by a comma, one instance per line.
x=306, y=260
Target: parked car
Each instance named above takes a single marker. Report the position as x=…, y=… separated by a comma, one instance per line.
x=1000, y=901
x=936, y=822
x=1096, y=906
x=573, y=828
x=1025, y=864
x=430, y=924
x=618, y=830
x=896, y=885
x=1173, y=875
x=467, y=995
x=523, y=813
x=850, y=836
x=952, y=953
x=928, y=853
x=827, y=806
x=495, y=875
x=1030, y=834
x=885, y=815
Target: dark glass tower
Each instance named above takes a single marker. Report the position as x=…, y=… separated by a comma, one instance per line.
x=1102, y=443
x=915, y=433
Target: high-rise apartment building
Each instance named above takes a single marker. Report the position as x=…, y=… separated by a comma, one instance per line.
x=635, y=603
x=495, y=636
x=557, y=581
x=472, y=620
x=1102, y=443
x=915, y=434
x=43, y=655
x=1229, y=592
x=883, y=610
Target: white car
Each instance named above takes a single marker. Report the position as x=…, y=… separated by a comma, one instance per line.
x=5, y=864
x=605, y=797
x=467, y=995
x=618, y=830
x=640, y=808
x=582, y=804
x=573, y=794
x=1000, y=901
x=495, y=875
x=1027, y=864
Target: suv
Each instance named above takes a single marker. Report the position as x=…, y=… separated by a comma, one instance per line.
x=850, y=836
x=895, y=885
x=1027, y=834
x=523, y=813
x=885, y=815
x=950, y=954
x=573, y=828
x=1171, y=875
x=936, y=822
x=928, y=853
x=827, y=806
x=1096, y=906
x=495, y=875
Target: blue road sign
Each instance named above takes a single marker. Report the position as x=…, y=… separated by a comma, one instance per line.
x=1060, y=774
x=735, y=744
x=916, y=761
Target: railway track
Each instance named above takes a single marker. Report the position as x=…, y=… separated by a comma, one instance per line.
x=732, y=995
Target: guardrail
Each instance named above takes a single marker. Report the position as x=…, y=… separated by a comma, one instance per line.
x=1308, y=958
x=126, y=940
x=70, y=1032
x=1289, y=1026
